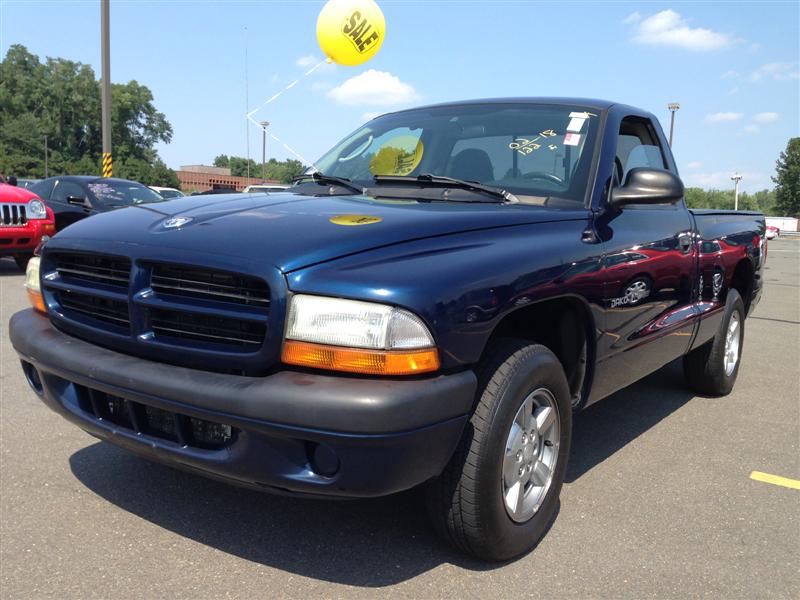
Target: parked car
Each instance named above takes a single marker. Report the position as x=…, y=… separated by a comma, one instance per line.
x=75, y=197
x=772, y=232
x=454, y=283
x=26, y=183
x=265, y=188
x=167, y=193
x=214, y=191
x=24, y=222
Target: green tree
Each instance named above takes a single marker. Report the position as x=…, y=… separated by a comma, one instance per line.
x=60, y=99
x=787, y=180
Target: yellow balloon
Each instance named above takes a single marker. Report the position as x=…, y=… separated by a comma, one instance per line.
x=350, y=32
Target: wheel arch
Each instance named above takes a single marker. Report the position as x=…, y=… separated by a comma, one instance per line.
x=566, y=326
x=742, y=281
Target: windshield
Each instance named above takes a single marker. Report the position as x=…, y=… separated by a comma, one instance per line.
x=534, y=151
x=123, y=193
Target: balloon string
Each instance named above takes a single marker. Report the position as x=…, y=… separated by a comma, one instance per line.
x=250, y=114
x=288, y=87
x=286, y=146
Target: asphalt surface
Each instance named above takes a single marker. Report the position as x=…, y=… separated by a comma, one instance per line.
x=658, y=501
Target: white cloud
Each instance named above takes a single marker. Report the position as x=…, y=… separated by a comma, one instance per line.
x=694, y=165
x=766, y=117
x=374, y=88
x=778, y=71
x=731, y=74
x=634, y=17
x=721, y=117
x=368, y=116
x=753, y=129
x=733, y=91
x=309, y=60
x=669, y=28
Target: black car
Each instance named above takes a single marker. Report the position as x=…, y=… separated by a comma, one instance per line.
x=75, y=197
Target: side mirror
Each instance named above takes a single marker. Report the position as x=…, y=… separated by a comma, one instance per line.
x=648, y=186
x=79, y=201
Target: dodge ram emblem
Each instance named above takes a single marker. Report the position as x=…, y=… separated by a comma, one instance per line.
x=176, y=222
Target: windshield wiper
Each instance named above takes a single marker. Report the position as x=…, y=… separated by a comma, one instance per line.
x=442, y=181
x=331, y=179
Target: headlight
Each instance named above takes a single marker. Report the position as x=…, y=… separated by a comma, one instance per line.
x=36, y=210
x=32, y=285
x=359, y=337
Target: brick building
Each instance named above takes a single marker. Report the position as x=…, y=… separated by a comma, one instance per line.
x=203, y=178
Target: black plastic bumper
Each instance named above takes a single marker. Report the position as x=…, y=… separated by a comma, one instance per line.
x=382, y=436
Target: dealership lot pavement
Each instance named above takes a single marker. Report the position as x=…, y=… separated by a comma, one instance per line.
x=658, y=501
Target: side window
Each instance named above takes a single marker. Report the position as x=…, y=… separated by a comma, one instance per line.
x=43, y=188
x=637, y=146
x=65, y=189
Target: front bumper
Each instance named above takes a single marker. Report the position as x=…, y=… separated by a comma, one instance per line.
x=381, y=436
x=24, y=239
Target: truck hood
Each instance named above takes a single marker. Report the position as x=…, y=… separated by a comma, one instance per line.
x=293, y=231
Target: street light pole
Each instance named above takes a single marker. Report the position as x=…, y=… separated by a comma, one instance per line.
x=264, y=125
x=673, y=108
x=736, y=178
x=105, y=97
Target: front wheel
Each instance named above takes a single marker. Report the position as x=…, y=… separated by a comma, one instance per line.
x=499, y=493
x=22, y=260
x=713, y=367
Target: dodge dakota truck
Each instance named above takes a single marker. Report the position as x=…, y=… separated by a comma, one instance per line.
x=427, y=306
x=24, y=222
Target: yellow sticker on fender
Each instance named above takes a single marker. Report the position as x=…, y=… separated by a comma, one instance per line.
x=351, y=220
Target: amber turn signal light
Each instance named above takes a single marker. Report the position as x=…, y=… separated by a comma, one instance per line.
x=360, y=360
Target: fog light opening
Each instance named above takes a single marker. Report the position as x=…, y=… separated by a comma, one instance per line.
x=33, y=378
x=322, y=459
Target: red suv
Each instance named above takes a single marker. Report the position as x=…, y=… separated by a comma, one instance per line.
x=24, y=221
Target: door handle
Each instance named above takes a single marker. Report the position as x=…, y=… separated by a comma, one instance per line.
x=685, y=242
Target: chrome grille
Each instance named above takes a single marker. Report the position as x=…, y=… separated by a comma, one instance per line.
x=13, y=215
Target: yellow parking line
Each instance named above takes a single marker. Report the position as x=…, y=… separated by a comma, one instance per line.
x=775, y=480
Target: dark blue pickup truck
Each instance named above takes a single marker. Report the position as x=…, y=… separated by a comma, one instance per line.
x=428, y=306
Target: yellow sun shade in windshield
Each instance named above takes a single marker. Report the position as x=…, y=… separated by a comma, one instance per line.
x=398, y=156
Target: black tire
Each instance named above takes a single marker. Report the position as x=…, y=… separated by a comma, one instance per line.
x=704, y=367
x=466, y=502
x=22, y=260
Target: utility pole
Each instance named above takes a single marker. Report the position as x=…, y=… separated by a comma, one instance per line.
x=673, y=108
x=105, y=97
x=736, y=178
x=46, y=173
x=264, y=125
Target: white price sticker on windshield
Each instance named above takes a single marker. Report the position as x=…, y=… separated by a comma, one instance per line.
x=576, y=124
x=572, y=139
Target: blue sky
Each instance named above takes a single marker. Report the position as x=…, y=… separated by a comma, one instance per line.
x=733, y=66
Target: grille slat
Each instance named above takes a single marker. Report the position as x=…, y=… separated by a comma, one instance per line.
x=13, y=215
x=95, y=307
x=207, y=328
x=107, y=270
x=205, y=284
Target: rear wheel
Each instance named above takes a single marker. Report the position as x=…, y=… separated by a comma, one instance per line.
x=499, y=493
x=713, y=367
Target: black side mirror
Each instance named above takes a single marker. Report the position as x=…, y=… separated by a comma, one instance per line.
x=648, y=186
x=79, y=201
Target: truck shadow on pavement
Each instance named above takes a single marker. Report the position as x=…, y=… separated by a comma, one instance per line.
x=369, y=543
